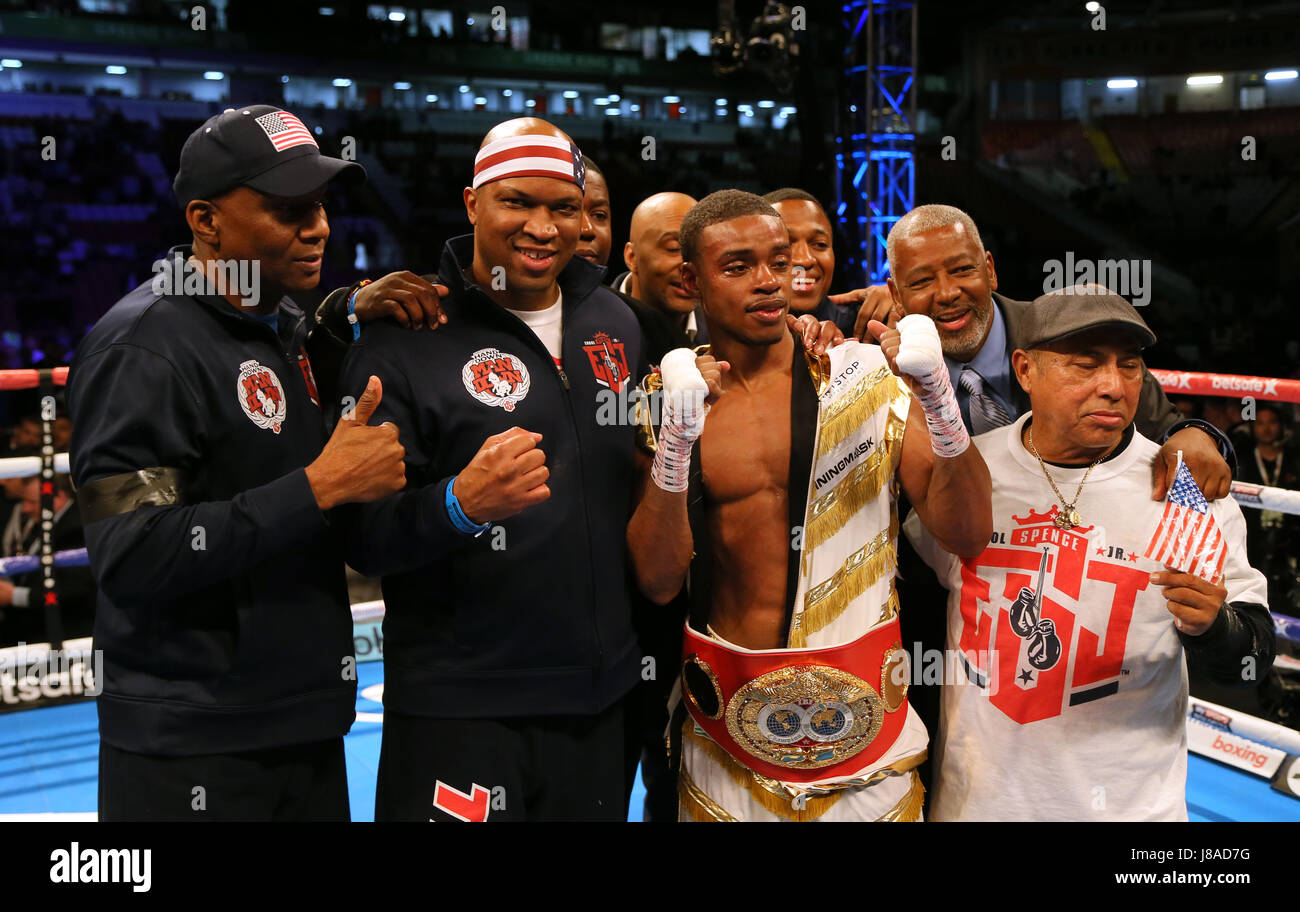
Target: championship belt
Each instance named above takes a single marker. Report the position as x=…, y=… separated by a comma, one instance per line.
x=800, y=715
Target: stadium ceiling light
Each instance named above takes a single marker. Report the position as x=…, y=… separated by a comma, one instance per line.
x=1209, y=79
x=721, y=112
x=10, y=63
x=284, y=79
x=507, y=92
x=635, y=109
x=114, y=70
x=1121, y=83
x=612, y=112
x=671, y=99
x=615, y=98
x=342, y=83
x=570, y=94
x=1271, y=75
x=214, y=75
x=401, y=86
x=530, y=103
x=480, y=100
x=430, y=98
x=396, y=16
x=1092, y=6
x=720, y=102
x=326, y=11
x=600, y=101
x=463, y=89
x=765, y=103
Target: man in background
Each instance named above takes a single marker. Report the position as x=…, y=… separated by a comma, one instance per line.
x=596, y=237
x=22, y=615
x=669, y=315
x=812, y=255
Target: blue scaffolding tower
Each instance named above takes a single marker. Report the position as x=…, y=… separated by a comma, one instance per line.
x=876, y=174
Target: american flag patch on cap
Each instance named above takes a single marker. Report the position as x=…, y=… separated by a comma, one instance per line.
x=285, y=131
x=529, y=156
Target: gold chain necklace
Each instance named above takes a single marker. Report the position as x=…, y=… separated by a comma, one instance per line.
x=1067, y=518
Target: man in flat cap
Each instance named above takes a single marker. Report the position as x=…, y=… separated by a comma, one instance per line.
x=1068, y=632
x=205, y=473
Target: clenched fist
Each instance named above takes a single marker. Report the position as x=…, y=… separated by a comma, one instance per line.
x=711, y=369
x=506, y=476
x=359, y=463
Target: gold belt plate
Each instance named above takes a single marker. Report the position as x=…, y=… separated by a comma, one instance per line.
x=805, y=716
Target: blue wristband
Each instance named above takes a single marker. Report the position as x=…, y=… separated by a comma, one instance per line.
x=457, y=516
x=352, y=310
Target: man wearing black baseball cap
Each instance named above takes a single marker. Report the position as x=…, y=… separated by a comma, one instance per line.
x=205, y=479
x=1074, y=622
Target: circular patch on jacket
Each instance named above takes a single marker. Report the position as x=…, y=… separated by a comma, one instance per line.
x=261, y=396
x=496, y=378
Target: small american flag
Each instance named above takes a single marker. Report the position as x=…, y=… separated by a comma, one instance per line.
x=285, y=131
x=1188, y=537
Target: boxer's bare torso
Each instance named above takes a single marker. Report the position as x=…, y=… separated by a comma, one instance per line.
x=745, y=461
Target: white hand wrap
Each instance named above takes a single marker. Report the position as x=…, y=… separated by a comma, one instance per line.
x=682, y=419
x=920, y=354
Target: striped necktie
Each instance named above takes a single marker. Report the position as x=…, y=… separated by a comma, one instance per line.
x=986, y=413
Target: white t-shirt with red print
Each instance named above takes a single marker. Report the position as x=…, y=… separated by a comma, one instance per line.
x=1075, y=708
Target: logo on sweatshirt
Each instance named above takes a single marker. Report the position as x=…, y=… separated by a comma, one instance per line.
x=496, y=378
x=261, y=396
x=608, y=361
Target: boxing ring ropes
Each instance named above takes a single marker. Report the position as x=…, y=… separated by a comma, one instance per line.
x=1256, y=746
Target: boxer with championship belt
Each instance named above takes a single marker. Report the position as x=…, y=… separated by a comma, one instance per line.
x=778, y=515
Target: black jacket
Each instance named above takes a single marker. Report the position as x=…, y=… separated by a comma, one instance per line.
x=532, y=617
x=223, y=611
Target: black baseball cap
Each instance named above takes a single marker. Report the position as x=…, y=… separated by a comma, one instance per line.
x=1080, y=308
x=258, y=146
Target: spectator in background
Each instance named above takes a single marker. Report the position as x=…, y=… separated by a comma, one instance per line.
x=1224, y=414
x=1272, y=537
x=1188, y=406
x=26, y=433
x=17, y=524
x=812, y=258
x=21, y=602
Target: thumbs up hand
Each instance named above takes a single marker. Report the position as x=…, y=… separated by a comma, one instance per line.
x=359, y=463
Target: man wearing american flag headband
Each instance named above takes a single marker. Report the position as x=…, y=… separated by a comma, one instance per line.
x=1068, y=690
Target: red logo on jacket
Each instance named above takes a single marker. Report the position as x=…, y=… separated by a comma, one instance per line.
x=608, y=361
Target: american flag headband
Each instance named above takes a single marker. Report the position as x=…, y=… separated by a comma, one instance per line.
x=529, y=156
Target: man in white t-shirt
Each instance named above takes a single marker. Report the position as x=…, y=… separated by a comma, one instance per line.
x=1067, y=683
